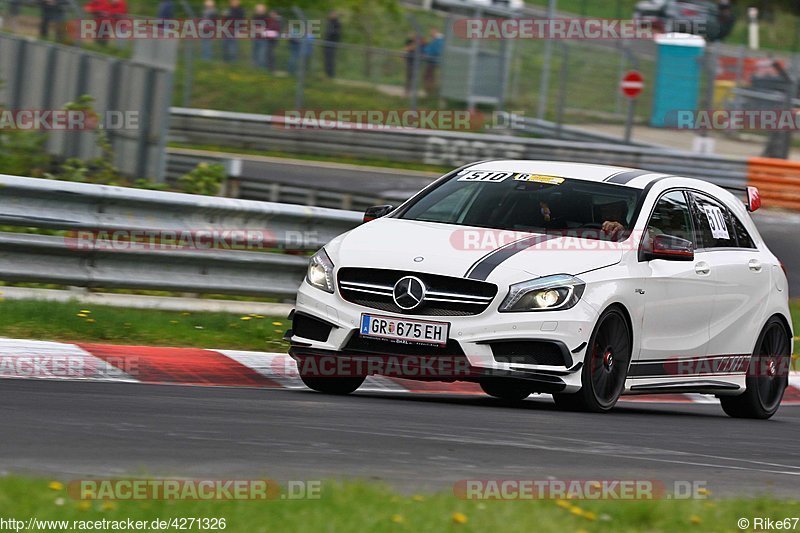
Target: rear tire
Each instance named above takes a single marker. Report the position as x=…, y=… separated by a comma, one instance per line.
x=511, y=391
x=333, y=385
x=605, y=366
x=767, y=375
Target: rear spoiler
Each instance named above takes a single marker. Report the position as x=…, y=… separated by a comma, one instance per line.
x=753, y=200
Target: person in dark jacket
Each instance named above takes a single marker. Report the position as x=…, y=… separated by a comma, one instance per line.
x=207, y=21
x=333, y=34
x=230, y=46
x=52, y=13
x=259, y=41
x=273, y=33
x=166, y=9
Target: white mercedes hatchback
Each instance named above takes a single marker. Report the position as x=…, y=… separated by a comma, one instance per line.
x=582, y=281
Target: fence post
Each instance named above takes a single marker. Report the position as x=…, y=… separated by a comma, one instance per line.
x=188, y=61
x=562, y=88
x=415, y=61
x=301, y=67
x=544, y=83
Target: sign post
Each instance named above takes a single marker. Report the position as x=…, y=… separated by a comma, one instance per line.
x=631, y=86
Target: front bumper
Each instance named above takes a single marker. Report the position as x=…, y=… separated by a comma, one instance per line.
x=474, y=341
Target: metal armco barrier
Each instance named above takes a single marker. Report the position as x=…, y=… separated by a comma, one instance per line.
x=444, y=148
x=777, y=180
x=102, y=261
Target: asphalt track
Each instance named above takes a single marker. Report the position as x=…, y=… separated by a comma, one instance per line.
x=780, y=230
x=413, y=442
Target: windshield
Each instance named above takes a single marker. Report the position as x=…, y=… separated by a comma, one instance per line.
x=529, y=203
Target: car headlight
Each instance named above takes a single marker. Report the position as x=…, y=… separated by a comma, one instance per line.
x=544, y=294
x=320, y=271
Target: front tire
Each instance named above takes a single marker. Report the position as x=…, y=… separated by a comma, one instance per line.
x=508, y=390
x=767, y=375
x=333, y=385
x=605, y=366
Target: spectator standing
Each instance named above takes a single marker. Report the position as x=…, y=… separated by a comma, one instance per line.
x=410, y=49
x=301, y=43
x=13, y=13
x=117, y=10
x=230, y=46
x=52, y=13
x=333, y=34
x=166, y=9
x=100, y=11
x=273, y=33
x=207, y=21
x=432, y=55
x=260, y=41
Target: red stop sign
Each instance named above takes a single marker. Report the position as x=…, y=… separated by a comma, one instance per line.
x=632, y=84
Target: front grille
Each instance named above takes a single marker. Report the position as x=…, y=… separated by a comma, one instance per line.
x=531, y=352
x=445, y=295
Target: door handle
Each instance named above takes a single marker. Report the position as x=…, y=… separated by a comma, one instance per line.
x=702, y=268
x=754, y=265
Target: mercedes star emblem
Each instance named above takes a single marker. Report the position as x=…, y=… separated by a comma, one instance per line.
x=409, y=292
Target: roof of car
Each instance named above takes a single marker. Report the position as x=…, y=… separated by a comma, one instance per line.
x=631, y=177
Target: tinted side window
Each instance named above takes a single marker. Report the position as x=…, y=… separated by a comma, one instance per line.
x=671, y=217
x=713, y=223
x=742, y=237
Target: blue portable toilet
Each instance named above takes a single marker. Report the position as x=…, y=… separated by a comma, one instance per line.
x=678, y=75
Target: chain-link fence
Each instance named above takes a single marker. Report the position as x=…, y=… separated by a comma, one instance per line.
x=566, y=82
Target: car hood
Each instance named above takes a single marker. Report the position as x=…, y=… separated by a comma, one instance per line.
x=452, y=250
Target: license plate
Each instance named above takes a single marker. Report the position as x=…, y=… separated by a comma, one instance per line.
x=404, y=330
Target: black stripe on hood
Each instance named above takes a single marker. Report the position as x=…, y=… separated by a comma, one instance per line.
x=486, y=264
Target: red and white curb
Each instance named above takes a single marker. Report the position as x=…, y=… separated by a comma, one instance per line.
x=227, y=368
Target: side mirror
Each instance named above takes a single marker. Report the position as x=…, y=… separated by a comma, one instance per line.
x=670, y=248
x=377, y=211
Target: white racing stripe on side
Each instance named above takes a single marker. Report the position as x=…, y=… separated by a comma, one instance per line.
x=55, y=360
x=282, y=368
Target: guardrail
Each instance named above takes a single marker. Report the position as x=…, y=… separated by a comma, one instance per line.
x=258, y=187
x=777, y=180
x=93, y=254
x=443, y=148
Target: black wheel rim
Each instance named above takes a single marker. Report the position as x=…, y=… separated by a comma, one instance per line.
x=772, y=366
x=611, y=351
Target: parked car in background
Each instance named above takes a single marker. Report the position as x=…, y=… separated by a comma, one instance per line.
x=697, y=17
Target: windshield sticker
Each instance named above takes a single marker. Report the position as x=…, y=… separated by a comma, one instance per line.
x=485, y=175
x=719, y=230
x=538, y=178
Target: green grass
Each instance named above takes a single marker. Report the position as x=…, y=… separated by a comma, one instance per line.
x=365, y=506
x=55, y=321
